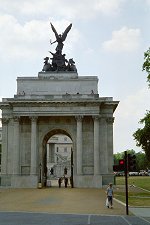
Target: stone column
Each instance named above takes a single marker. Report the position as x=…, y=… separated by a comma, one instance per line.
x=96, y=145
x=33, y=166
x=103, y=146
x=79, y=145
x=48, y=153
x=110, y=121
x=16, y=148
x=4, y=145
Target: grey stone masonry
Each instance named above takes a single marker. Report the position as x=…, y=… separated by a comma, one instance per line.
x=57, y=103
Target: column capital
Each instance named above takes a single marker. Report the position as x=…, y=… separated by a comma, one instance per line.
x=4, y=120
x=96, y=117
x=79, y=118
x=33, y=118
x=16, y=118
x=110, y=120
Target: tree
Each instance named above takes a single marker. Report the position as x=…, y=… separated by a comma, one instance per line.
x=120, y=155
x=146, y=64
x=141, y=159
x=142, y=135
x=117, y=157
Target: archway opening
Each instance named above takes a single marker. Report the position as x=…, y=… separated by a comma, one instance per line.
x=58, y=159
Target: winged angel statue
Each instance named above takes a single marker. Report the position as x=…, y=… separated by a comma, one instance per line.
x=59, y=62
x=60, y=38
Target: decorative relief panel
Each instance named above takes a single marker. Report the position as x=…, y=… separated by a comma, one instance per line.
x=88, y=170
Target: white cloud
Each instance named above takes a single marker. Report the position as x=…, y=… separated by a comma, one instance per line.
x=123, y=40
x=148, y=2
x=127, y=117
x=67, y=9
x=108, y=7
x=18, y=40
x=134, y=105
x=23, y=36
x=31, y=39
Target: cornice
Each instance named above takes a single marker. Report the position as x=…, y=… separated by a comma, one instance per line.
x=101, y=102
x=12, y=102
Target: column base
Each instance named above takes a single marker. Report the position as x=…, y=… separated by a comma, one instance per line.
x=24, y=181
x=88, y=181
x=107, y=178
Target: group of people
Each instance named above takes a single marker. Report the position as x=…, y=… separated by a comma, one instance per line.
x=61, y=179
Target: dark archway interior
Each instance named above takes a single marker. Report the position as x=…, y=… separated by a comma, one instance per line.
x=47, y=137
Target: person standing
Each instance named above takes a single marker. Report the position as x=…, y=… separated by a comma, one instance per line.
x=110, y=194
x=59, y=182
x=66, y=181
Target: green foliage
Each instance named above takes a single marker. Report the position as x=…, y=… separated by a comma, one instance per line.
x=141, y=160
x=142, y=135
x=117, y=157
x=120, y=155
x=146, y=64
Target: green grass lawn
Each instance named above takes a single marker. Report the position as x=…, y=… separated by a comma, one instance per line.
x=139, y=181
x=136, y=196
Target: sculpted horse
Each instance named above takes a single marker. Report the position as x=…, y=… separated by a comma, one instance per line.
x=71, y=66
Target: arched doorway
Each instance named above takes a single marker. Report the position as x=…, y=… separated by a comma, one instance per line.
x=57, y=158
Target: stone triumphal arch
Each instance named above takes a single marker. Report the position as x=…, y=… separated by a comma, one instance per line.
x=57, y=103
x=58, y=100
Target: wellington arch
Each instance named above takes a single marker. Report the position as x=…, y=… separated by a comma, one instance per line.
x=57, y=101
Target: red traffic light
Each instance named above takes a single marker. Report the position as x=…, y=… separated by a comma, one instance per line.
x=121, y=162
x=120, y=167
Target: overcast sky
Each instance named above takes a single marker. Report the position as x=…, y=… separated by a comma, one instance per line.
x=108, y=39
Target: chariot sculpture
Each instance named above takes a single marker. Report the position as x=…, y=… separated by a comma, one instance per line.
x=58, y=62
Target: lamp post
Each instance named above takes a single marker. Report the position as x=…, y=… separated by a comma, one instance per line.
x=40, y=176
x=72, y=185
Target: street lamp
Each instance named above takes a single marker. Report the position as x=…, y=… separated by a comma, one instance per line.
x=72, y=184
x=40, y=177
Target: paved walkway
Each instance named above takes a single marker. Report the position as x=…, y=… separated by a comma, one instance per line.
x=62, y=200
x=58, y=200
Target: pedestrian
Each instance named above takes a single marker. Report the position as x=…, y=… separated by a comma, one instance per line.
x=109, y=193
x=66, y=181
x=59, y=182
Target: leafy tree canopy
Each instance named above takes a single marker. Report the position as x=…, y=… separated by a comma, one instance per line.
x=142, y=135
x=146, y=64
x=141, y=159
x=120, y=155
